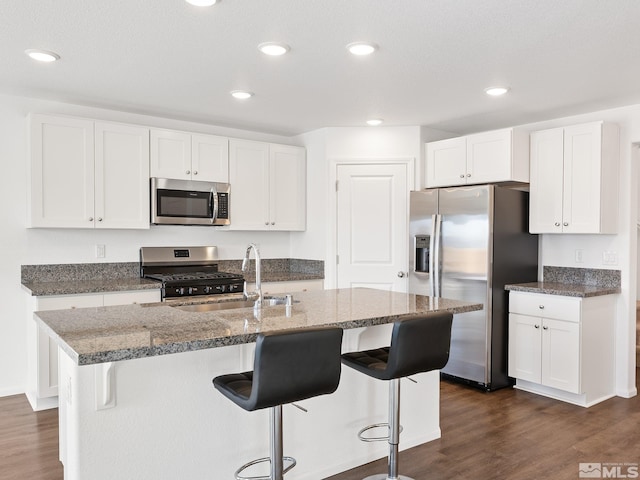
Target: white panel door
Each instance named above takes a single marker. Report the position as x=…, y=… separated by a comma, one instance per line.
x=547, y=161
x=561, y=355
x=62, y=172
x=287, y=185
x=122, y=176
x=489, y=156
x=210, y=158
x=170, y=154
x=582, y=178
x=249, y=179
x=524, y=347
x=446, y=162
x=372, y=226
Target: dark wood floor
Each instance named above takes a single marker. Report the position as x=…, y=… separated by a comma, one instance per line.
x=506, y=434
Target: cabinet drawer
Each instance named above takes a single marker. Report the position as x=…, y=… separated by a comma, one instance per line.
x=547, y=306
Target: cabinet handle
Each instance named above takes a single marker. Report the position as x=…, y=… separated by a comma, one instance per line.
x=462, y=175
x=468, y=174
x=557, y=224
x=266, y=223
x=566, y=224
x=545, y=328
x=195, y=172
x=537, y=326
x=99, y=219
x=188, y=172
x=91, y=219
x=273, y=223
x=541, y=307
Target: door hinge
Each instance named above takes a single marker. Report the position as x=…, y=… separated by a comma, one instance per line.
x=337, y=259
x=336, y=185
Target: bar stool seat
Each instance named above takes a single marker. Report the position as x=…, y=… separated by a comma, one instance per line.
x=289, y=366
x=419, y=344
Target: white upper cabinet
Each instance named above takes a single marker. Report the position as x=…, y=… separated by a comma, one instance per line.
x=268, y=186
x=574, y=179
x=488, y=157
x=87, y=174
x=122, y=176
x=185, y=156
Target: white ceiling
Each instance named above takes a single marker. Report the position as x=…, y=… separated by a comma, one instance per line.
x=168, y=58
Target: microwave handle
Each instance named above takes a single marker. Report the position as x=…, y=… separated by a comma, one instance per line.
x=213, y=203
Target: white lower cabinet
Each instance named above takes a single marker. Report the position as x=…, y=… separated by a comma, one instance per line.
x=42, y=381
x=562, y=347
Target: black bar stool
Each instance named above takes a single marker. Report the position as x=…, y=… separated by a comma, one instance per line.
x=288, y=366
x=419, y=344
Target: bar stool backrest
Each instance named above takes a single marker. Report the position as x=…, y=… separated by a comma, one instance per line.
x=419, y=344
x=294, y=365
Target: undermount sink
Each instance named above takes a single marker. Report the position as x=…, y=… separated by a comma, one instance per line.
x=267, y=301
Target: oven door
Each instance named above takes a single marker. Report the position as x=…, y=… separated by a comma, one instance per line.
x=183, y=202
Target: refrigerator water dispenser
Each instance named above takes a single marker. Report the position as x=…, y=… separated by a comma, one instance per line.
x=422, y=253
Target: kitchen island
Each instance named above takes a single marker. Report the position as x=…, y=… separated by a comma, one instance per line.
x=136, y=399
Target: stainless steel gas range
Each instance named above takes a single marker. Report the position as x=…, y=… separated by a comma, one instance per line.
x=188, y=271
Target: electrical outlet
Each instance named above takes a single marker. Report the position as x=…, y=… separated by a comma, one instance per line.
x=579, y=255
x=610, y=258
x=100, y=251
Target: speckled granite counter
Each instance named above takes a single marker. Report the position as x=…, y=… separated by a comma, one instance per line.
x=106, y=334
x=566, y=289
x=73, y=279
x=573, y=282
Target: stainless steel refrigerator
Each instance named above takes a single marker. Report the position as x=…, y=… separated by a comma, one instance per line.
x=466, y=244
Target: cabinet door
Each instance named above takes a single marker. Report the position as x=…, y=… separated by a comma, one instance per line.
x=128, y=298
x=47, y=349
x=524, y=347
x=582, y=178
x=561, y=355
x=210, y=158
x=446, y=162
x=489, y=156
x=288, y=186
x=547, y=166
x=249, y=179
x=62, y=172
x=121, y=176
x=170, y=154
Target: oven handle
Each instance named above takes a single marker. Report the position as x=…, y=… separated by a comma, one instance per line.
x=213, y=199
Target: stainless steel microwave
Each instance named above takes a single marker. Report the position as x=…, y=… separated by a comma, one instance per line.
x=185, y=202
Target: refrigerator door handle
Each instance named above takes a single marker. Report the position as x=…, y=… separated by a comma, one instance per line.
x=437, y=260
x=436, y=273
x=432, y=249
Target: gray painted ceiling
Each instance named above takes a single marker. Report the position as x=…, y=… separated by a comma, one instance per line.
x=171, y=59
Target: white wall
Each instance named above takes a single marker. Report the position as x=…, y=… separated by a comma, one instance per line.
x=19, y=245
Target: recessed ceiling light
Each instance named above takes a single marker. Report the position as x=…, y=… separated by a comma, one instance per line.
x=241, y=94
x=496, y=91
x=202, y=3
x=374, y=122
x=273, y=48
x=42, y=55
x=362, y=48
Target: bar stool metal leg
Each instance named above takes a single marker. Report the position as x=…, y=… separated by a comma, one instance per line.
x=394, y=435
x=275, y=419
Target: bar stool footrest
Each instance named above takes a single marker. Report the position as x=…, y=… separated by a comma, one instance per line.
x=375, y=439
x=262, y=460
x=384, y=476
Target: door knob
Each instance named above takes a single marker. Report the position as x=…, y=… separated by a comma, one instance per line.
x=401, y=274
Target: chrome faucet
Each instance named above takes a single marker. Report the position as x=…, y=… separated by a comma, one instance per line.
x=257, y=294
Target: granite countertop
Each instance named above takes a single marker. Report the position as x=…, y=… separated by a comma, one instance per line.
x=565, y=289
x=73, y=279
x=75, y=287
x=573, y=282
x=106, y=334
